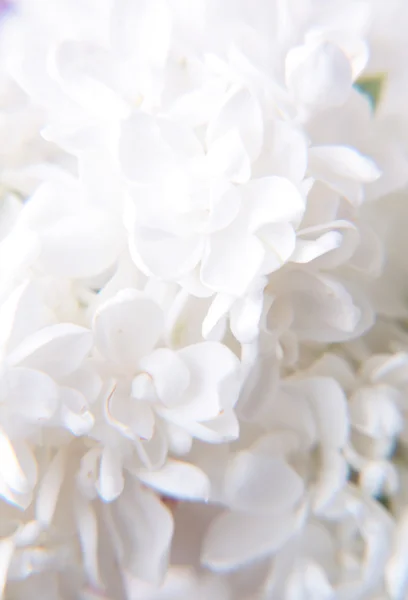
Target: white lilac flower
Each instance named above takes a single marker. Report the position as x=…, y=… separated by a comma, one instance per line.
x=160, y=399
x=343, y=556
x=377, y=409
x=303, y=428
x=196, y=357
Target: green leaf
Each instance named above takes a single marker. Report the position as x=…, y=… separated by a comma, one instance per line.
x=371, y=86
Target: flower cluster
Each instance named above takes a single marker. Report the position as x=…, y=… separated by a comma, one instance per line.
x=203, y=300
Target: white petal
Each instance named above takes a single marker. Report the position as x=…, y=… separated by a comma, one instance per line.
x=142, y=388
x=81, y=246
x=49, y=488
x=58, y=349
x=170, y=375
x=324, y=310
x=337, y=367
x=235, y=539
x=11, y=471
x=22, y=314
x=86, y=381
x=149, y=530
x=319, y=75
x=75, y=414
x=6, y=555
x=87, y=473
x=284, y=152
x=374, y=411
x=223, y=428
x=225, y=204
x=308, y=250
x=100, y=179
x=272, y=200
x=329, y=405
x=179, y=480
x=87, y=528
x=240, y=112
x=183, y=141
x=245, y=317
x=331, y=479
x=141, y=419
x=76, y=240
x=20, y=500
x=153, y=452
x=309, y=580
x=179, y=584
x=396, y=570
x=336, y=163
x=164, y=255
x=144, y=154
x=127, y=327
x=142, y=29
x=218, y=310
x=111, y=482
x=212, y=366
x=28, y=533
x=86, y=72
x=228, y=158
x=232, y=261
x=261, y=484
x=31, y=394
x=279, y=241
x=180, y=441
x=18, y=251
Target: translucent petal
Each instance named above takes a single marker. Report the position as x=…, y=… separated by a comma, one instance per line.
x=6, y=555
x=86, y=381
x=284, y=152
x=142, y=29
x=245, y=317
x=111, y=482
x=127, y=327
x=222, y=428
x=170, y=375
x=179, y=480
x=329, y=404
x=261, y=484
x=83, y=245
x=86, y=73
x=328, y=162
x=234, y=539
x=227, y=158
x=57, y=350
x=232, y=260
x=74, y=413
x=164, y=255
x=12, y=471
x=149, y=528
x=319, y=75
x=49, y=488
x=87, y=528
x=31, y=394
x=272, y=200
x=144, y=154
x=22, y=314
x=210, y=365
x=240, y=112
x=279, y=240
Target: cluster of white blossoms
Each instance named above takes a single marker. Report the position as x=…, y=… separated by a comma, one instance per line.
x=203, y=300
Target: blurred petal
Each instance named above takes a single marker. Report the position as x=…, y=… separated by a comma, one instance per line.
x=58, y=349
x=127, y=327
x=179, y=480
